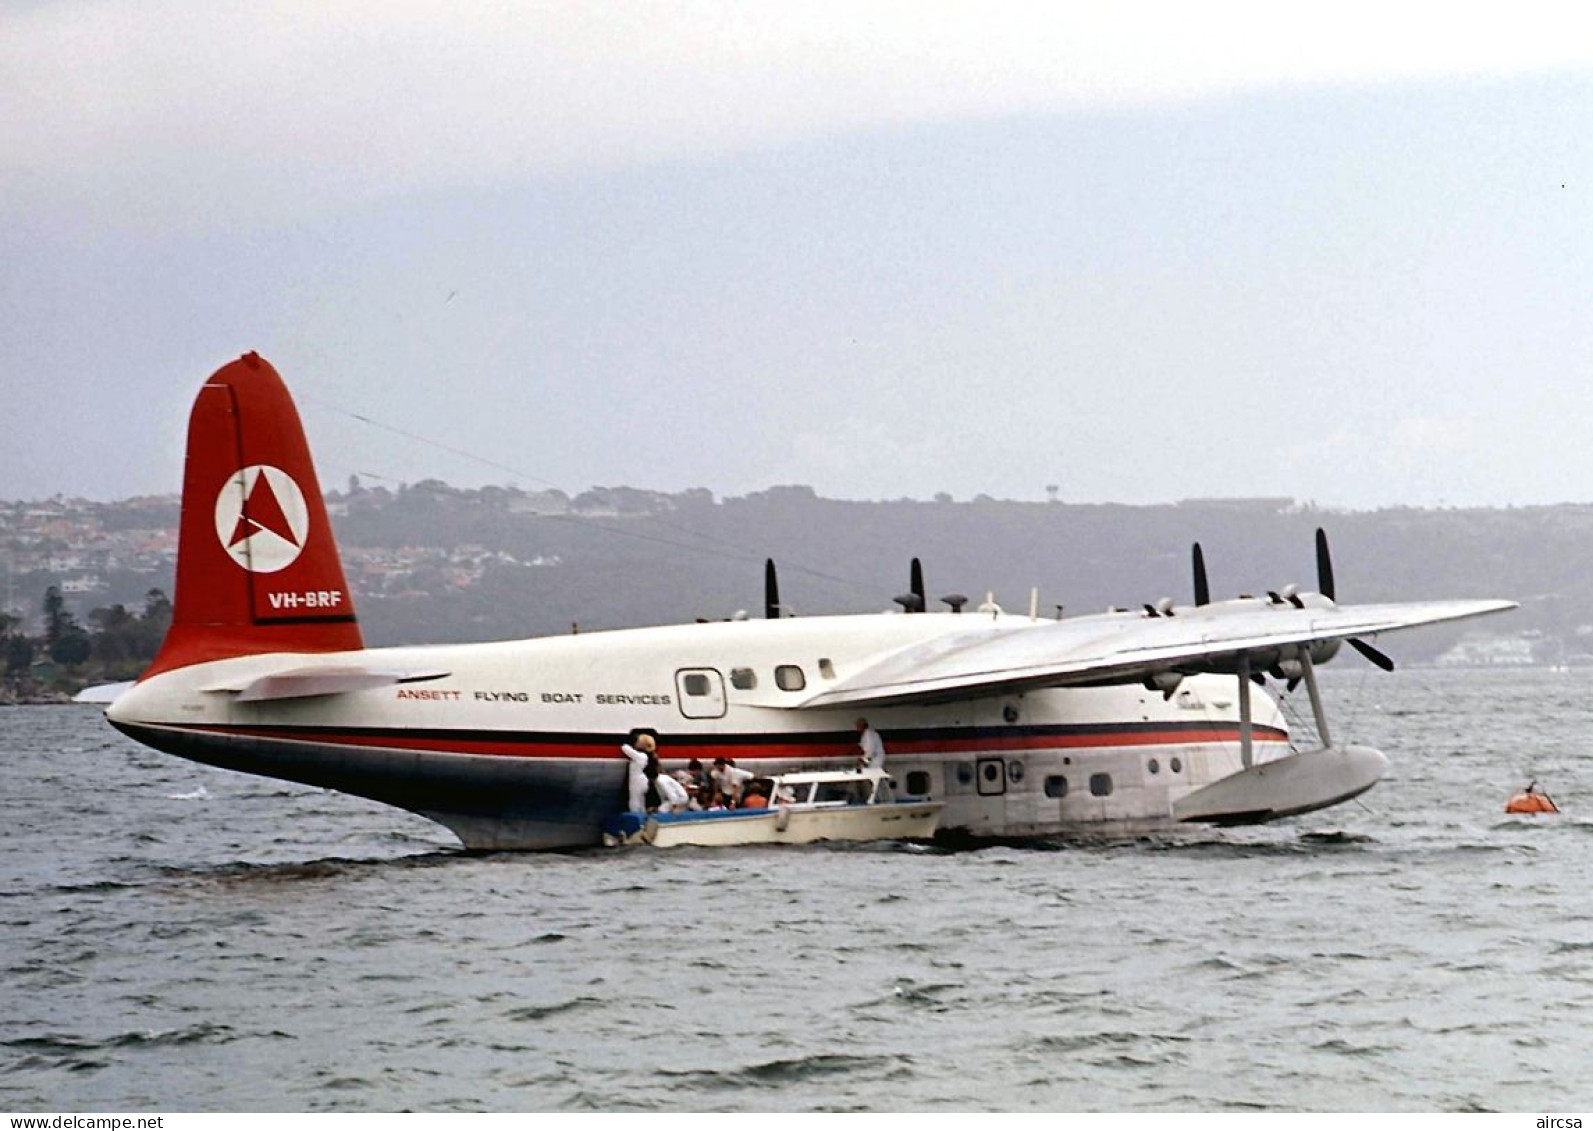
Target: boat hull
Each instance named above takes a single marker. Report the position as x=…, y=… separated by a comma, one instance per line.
x=902, y=820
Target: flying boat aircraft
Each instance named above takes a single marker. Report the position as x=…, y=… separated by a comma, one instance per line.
x=1022, y=726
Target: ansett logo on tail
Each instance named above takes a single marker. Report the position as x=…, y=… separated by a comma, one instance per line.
x=261, y=518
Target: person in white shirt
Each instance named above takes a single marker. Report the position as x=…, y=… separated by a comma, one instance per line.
x=672, y=796
x=636, y=777
x=870, y=747
x=729, y=780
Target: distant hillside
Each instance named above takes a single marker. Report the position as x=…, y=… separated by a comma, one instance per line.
x=433, y=563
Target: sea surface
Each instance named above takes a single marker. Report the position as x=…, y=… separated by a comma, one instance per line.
x=175, y=937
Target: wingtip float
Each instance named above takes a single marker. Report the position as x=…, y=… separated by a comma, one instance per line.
x=1021, y=727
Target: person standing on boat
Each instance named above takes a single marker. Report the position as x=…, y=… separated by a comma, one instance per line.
x=651, y=798
x=672, y=796
x=729, y=780
x=636, y=778
x=870, y=747
x=697, y=783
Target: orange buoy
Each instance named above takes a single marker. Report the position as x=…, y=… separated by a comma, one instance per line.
x=1531, y=801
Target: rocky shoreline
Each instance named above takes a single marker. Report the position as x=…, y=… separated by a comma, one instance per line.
x=34, y=698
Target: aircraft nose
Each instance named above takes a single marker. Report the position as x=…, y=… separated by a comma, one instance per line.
x=123, y=708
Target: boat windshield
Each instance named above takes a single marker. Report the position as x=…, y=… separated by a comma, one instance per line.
x=844, y=792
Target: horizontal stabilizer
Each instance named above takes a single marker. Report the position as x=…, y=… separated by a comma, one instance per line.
x=309, y=683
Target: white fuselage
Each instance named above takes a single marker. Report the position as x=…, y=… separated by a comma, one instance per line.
x=517, y=746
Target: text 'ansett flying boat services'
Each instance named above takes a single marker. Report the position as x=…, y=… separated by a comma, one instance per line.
x=1021, y=726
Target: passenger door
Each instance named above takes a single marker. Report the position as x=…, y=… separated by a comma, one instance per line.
x=700, y=693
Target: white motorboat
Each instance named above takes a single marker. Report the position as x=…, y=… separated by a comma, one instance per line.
x=856, y=805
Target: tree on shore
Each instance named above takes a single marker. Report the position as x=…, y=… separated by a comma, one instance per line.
x=16, y=650
x=65, y=640
x=116, y=644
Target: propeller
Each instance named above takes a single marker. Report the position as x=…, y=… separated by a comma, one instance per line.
x=1324, y=565
x=1381, y=659
x=1289, y=672
x=914, y=601
x=771, y=591
x=1324, y=585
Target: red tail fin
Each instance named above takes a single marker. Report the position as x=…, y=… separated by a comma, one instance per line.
x=257, y=569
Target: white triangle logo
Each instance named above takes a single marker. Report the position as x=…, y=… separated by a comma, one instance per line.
x=261, y=518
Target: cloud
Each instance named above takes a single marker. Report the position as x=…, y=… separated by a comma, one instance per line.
x=166, y=111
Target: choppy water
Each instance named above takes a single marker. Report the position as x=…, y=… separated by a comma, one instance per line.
x=179, y=938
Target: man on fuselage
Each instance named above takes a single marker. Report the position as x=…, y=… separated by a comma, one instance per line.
x=870, y=747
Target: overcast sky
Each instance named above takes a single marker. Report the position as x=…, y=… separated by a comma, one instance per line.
x=1143, y=254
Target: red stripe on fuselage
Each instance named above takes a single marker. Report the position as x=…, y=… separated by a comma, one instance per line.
x=779, y=747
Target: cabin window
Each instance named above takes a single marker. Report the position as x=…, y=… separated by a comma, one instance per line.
x=1101, y=785
x=826, y=669
x=1056, y=786
x=789, y=677
x=918, y=783
x=992, y=771
x=1175, y=765
x=743, y=679
x=1154, y=766
x=964, y=774
x=695, y=684
x=1014, y=772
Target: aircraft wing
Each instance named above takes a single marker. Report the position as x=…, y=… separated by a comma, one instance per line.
x=1123, y=648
